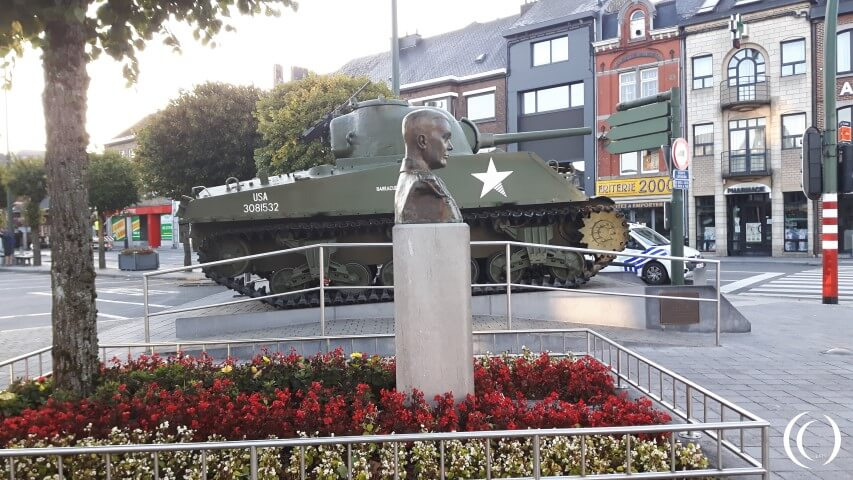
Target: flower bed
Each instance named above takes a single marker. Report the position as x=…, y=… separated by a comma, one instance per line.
x=155, y=400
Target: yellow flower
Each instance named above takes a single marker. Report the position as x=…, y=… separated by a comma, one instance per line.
x=227, y=369
x=7, y=396
x=355, y=355
x=254, y=369
x=266, y=359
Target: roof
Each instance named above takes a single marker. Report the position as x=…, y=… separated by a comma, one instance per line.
x=544, y=11
x=448, y=54
x=130, y=132
x=818, y=9
x=666, y=14
x=725, y=8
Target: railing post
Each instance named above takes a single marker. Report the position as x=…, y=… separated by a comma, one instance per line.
x=719, y=307
x=765, y=452
x=322, y=294
x=145, y=302
x=508, y=290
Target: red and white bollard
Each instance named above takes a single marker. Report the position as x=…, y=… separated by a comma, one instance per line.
x=829, y=238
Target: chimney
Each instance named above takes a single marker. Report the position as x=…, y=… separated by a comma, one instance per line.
x=409, y=41
x=526, y=6
x=298, y=73
x=277, y=74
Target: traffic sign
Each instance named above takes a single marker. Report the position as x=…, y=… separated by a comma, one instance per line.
x=680, y=154
x=680, y=184
x=680, y=175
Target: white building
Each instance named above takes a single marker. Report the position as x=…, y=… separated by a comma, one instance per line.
x=747, y=104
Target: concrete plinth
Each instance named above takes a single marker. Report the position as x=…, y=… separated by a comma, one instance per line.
x=432, y=308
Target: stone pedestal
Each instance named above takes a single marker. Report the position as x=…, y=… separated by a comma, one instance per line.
x=432, y=308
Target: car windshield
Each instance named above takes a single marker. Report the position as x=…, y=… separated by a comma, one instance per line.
x=650, y=236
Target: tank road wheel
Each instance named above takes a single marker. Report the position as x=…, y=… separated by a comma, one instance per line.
x=386, y=275
x=573, y=267
x=229, y=247
x=289, y=279
x=358, y=275
x=475, y=270
x=496, y=269
x=605, y=230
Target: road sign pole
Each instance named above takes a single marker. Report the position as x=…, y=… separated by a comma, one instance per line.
x=829, y=224
x=677, y=221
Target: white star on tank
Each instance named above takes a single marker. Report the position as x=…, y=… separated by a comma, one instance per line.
x=492, y=179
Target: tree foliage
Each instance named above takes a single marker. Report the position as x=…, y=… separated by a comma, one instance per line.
x=69, y=34
x=291, y=108
x=27, y=178
x=201, y=138
x=113, y=182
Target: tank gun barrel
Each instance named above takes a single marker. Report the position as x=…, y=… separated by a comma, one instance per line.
x=493, y=139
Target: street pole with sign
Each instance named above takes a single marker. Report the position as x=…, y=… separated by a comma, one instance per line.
x=829, y=200
x=680, y=155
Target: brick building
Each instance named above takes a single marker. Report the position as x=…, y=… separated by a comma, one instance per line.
x=638, y=56
x=747, y=104
x=843, y=99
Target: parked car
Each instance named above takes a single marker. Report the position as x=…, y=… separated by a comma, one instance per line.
x=108, y=242
x=642, y=239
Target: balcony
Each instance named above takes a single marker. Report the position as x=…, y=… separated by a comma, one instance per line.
x=744, y=93
x=746, y=163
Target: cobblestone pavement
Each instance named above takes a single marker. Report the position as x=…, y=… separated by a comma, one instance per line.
x=779, y=370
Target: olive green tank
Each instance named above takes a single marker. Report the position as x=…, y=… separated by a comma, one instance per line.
x=503, y=196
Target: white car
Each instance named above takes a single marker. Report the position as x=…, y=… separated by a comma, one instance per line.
x=642, y=239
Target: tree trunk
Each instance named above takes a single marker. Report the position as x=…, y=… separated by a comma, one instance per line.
x=74, y=315
x=184, y=232
x=36, y=243
x=102, y=255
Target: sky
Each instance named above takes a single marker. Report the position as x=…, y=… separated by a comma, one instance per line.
x=321, y=35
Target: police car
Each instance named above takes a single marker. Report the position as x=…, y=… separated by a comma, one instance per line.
x=642, y=239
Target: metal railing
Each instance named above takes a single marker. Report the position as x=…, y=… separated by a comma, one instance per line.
x=508, y=284
x=744, y=92
x=738, y=439
x=745, y=163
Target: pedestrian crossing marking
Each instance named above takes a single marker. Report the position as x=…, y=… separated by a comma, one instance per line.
x=807, y=284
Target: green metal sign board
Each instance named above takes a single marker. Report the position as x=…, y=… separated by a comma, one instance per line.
x=647, y=127
x=634, y=144
x=639, y=114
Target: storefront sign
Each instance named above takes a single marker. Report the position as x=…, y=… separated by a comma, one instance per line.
x=118, y=228
x=633, y=205
x=136, y=225
x=165, y=227
x=747, y=188
x=636, y=186
x=846, y=89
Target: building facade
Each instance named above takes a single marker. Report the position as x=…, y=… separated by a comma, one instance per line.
x=550, y=82
x=638, y=56
x=843, y=99
x=748, y=101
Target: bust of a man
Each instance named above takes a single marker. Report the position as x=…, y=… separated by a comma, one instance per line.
x=421, y=196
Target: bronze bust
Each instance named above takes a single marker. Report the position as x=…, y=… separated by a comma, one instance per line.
x=421, y=196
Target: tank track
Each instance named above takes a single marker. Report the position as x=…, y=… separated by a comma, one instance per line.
x=329, y=228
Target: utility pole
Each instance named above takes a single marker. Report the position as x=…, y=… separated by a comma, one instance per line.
x=9, y=197
x=829, y=200
x=677, y=221
x=395, y=51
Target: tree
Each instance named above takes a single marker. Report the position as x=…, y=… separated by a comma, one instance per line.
x=113, y=185
x=201, y=138
x=69, y=34
x=27, y=179
x=292, y=107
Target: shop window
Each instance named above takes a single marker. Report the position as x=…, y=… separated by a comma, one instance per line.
x=703, y=74
x=706, y=232
x=628, y=163
x=551, y=51
x=481, y=107
x=796, y=222
x=794, y=57
x=638, y=24
x=793, y=127
x=703, y=140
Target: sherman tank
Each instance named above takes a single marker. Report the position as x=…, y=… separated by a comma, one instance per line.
x=503, y=196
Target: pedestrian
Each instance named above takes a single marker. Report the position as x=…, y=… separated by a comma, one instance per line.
x=8, y=246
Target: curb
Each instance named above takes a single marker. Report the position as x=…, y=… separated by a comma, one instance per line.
x=107, y=273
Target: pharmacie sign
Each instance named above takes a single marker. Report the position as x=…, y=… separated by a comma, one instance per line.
x=846, y=89
x=634, y=186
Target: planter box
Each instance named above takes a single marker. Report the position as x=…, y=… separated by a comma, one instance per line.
x=135, y=261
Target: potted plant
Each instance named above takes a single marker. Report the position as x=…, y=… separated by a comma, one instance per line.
x=137, y=258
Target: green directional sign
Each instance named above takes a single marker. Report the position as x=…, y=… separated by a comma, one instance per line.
x=639, y=114
x=644, y=142
x=647, y=127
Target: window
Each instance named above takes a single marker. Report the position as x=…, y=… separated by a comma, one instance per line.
x=844, y=50
x=706, y=233
x=638, y=24
x=747, y=153
x=627, y=86
x=442, y=103
x=703, y=74
x=796, y=222
x=551, y=51
x=746, y=67
x=651, y=163
x=793, y=127
x=648, y=82
x=703, y=140
x=628, y=164
x=553, y=98
x=481, y=107
x=793, y=57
